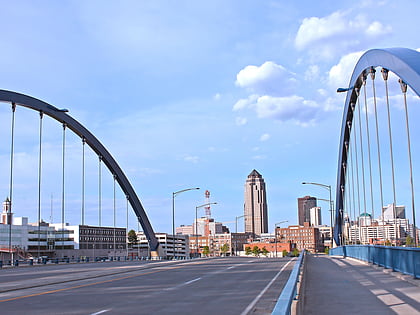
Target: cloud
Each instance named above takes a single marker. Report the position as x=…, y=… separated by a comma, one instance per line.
x=217, y=96
x=240, y=121
x=337, y=33
x=265, y=137
x=191, y=158
x=340, y=74
x=269, y=78
x=290, y=108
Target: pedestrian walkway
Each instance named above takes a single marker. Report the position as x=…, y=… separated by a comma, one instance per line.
x=335, y=285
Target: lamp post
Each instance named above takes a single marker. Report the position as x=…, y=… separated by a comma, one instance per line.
x=275, y=234
x=236, y=232
x=328, y=187
x=174, y=194
x=196, y=232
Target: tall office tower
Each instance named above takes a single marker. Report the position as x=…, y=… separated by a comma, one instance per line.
x=255, y=206
x=315, y=216
x=304, y=208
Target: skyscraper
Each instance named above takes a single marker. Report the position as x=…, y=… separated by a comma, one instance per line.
x=255, y=205
x=304, y=207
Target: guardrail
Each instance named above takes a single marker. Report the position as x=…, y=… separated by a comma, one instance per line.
x=402, y=259
x=83, y=259
x=289, y=293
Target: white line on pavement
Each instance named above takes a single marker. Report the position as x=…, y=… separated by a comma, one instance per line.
x=191, y=281
x=100, y=312
x=250, y=306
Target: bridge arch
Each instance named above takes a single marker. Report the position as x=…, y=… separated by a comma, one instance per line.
x=71, y=123
x=405, y=63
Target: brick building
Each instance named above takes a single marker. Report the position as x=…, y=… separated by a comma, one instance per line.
x=305, y=237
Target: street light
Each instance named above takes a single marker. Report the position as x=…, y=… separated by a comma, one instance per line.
x=196, y=232
x=275, y=234
x=236, y=231
x=174, y=194
x=328, y=187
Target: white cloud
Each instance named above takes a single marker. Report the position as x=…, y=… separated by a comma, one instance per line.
x=290, y=108
x=240, y=121
x=245, y=102
x=192, y=159
x=340, y=74
x=217, y=96
x=337, y=33
x=269, y=78
x=312, y=73
x=265, y=137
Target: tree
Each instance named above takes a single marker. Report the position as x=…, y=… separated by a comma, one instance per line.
x=295, y=252
x=264, y=251
x=387, y=243
x=409, y=241
x=248, y=251
x=285, y=252
x=224, y=249
x=132, y=237
x=256, y=251
x=206, y=250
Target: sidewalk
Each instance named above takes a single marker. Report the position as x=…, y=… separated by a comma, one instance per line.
x=334, y=285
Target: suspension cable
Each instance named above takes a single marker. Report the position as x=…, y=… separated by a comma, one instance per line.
x=9, y=216
x=385, y=77
x=100, y=191
x=114, y=207
x=361, y=149
x=368, y=145
x=372, y=75
x=126, y=230
x=404, y=91
x=352, y=189
x=357, y=162
x=63, y=186
x=83, y=180
x=39, y=181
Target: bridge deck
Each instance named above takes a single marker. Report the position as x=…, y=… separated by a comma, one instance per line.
x=334, y=285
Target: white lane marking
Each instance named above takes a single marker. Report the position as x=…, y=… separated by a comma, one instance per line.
x=191, y=281
x=252, y=304
x=100, y=312
x=231, y=267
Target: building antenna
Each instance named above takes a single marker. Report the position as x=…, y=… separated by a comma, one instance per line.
x=207, y=201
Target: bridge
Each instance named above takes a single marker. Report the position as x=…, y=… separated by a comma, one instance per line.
x=374, y=221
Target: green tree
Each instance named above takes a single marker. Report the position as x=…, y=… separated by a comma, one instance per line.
x=409, y=241
x=327, y=250
x=132, y=237
x=206, y=250
x=295, y=252
x=387, y=243
x=224, y=249
x=285, y=252
x=256, y=251
x=264, y=251
x=248, y=251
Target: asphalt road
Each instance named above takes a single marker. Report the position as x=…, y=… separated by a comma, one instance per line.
x=236, y=285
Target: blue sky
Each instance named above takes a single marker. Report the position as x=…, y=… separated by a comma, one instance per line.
x=188, y=94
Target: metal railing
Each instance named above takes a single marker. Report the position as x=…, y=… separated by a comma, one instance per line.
x=402, y=259
x=289, y=293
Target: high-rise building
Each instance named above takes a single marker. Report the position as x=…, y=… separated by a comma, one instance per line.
x=304, y=208
x=315, y=216
x=255, y=205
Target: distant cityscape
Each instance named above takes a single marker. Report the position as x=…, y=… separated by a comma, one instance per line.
x=205, y=236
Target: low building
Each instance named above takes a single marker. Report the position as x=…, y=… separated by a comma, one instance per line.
x=274, y=249
x=305, y=237
x=170, y=246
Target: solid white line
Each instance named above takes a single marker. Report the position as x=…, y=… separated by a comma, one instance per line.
x=100, y=312
x=250, y=306
x=191, y=281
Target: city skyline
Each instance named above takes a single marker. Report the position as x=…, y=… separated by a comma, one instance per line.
x=190, y=95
